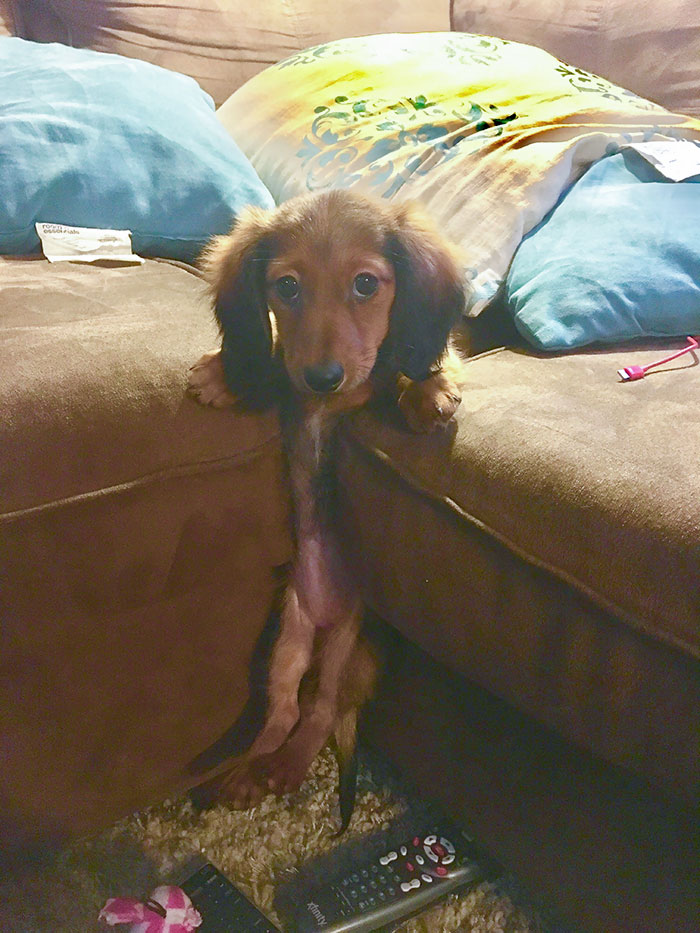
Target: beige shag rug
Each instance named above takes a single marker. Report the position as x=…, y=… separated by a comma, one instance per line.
x=256, y=848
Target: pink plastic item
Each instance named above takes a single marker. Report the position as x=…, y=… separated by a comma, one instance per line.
x=168, y=910
x=632, y=373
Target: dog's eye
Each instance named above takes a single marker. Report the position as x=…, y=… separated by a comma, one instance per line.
x=287, y=288
x=365, y=285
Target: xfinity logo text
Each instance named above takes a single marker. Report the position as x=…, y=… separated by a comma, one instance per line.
x=315, y=910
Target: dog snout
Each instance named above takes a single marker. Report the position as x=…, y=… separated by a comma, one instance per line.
x=325, y=377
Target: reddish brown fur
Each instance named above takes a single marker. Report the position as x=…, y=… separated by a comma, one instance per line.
x=324, y=243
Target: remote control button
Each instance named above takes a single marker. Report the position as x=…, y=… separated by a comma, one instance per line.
x=426, y=877
x=420, y=860
x=440, y=870
x=416, y=842
x=429, y=840
x=448, y=845
x=407, y=886
x=403, y=850
x=448, y=859
x=439, y=850
x=410, y=867
x=431, y=855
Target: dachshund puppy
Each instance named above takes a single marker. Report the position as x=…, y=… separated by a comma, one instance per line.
x=322, y=303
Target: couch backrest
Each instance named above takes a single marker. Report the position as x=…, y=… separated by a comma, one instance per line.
x=9, y=25
x=221, y=43
x=652, y=50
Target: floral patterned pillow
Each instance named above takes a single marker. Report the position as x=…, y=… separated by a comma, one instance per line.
x=486, y=133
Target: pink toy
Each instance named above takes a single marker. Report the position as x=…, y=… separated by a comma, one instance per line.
x=632, y=373
x=168, y=910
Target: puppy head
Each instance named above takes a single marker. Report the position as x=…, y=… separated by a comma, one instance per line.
x=348, y=280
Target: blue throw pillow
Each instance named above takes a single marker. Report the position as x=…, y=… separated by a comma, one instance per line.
x=617, y=258
x=97, y=140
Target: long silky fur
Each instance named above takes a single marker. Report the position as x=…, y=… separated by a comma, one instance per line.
x=430, y=292
x=429, y=300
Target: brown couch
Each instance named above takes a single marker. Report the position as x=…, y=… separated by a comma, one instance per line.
x=536, y=569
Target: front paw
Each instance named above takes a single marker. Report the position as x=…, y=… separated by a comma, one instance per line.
x=283, y=771
x=240, y=787
x=429, y=404
x=207, y=384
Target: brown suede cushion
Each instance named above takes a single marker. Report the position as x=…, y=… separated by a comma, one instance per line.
x=94, y=381
x=139, y=539
x=220, y=44
x=591, y=478
x=8, y=23
x=547, y=545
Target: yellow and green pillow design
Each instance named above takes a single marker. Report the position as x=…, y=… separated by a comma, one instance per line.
x=486, y=133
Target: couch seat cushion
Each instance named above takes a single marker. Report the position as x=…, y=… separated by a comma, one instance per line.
x=140, y=536
x=93, y=386
x=592, y=479
x=546, y=547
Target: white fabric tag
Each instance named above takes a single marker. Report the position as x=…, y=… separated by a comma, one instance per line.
x=677, y=159
x=62, y=243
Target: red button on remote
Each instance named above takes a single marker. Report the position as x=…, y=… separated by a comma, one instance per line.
x=439, y=850
x=440, y=870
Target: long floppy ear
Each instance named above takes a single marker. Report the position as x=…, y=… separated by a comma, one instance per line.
x=430, y=294
x=235, y=267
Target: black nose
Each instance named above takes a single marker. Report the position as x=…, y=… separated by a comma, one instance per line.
x=326, y=377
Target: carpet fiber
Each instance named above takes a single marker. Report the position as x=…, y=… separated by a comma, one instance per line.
x=257, y=849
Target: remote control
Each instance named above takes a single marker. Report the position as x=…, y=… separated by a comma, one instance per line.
x=392, y=887
x=224, y=908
